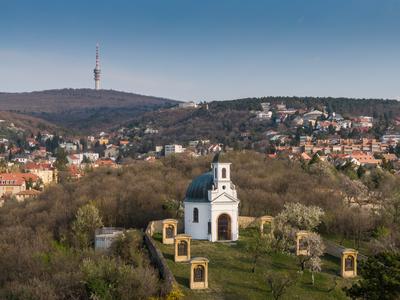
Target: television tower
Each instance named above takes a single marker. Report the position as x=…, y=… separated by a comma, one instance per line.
x=96, y=70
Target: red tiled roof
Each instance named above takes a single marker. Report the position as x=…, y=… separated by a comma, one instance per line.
x=16, y=178
x=31, y=192
x=74, y=171
x=38, y=166
x=105, y=162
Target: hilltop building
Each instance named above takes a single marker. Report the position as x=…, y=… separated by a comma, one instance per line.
x=211, y=205
x=189, y=104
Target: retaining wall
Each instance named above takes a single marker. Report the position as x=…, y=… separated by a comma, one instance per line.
x=336, y=250
x=157, y=257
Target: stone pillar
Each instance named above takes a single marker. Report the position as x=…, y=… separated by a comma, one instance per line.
x=348, y=263
x=169, y=230
x=301, y=245
x=182, y=247
x=266, y=220
x=199, y=273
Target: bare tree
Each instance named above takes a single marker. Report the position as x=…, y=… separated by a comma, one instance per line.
x=279, y=283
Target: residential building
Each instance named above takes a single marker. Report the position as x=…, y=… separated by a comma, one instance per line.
x=44, y=171
x=111, y=151
x=189, y=104
x=13, y=183
x=173, y=149
x=26, y=194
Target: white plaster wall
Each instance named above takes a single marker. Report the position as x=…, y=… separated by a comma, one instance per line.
x=198, y=231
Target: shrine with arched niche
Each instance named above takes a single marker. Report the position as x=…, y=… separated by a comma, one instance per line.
x=302, y=247
x=348, y=263
x=169, y=231
x=266, y=224
x=199, y=273
x=182, y=247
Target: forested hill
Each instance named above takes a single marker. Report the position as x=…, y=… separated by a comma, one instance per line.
x=227, y=121
x=82, y=109
x=56, y=101
x=345, y=106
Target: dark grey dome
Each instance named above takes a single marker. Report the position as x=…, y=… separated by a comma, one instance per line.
x=198, y=189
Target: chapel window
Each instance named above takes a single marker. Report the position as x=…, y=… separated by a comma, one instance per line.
x=195, y=215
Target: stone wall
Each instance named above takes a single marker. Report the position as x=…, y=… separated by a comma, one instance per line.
x=245, y=221
x=156, y=226
x=159, y=261
x=336, y=250
x=153, y=227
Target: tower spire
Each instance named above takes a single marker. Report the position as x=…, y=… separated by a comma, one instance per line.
x=96, y=70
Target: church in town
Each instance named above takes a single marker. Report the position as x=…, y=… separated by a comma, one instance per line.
x=211, y=205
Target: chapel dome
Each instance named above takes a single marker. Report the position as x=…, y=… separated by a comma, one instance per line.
x=198, y=189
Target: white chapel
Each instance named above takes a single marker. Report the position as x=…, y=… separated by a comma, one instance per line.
x=211, y=205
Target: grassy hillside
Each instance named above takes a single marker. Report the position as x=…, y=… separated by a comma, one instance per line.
x=230, y=275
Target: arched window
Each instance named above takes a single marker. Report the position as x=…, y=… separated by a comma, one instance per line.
x=169, y=231
x=349, y=263
x=195, y=215
x=198, y=274
x=223, y=173
x=182, y=248
x=303, y=244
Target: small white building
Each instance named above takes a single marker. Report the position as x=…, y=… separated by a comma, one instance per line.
x=92, y=156
x=111, y=151
x=172, y=149
x=211, y=205
x=189, y=104
x=105, y=236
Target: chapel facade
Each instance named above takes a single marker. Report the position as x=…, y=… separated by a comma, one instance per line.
x=211, y=206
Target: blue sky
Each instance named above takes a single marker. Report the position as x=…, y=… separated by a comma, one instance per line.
x=204, y=50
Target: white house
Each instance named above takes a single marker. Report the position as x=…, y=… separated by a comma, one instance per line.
x=173, y=149
x=190, y=104
x=105, y=236
x=211, y=205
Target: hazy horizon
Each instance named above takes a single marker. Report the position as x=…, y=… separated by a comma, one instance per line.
x=208, y=50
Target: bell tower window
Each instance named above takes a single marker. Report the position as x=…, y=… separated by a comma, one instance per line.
x=223, y=172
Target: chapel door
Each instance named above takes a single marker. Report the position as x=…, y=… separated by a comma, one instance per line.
x=224, y=227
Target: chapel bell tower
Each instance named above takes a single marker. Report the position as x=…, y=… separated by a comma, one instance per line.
x=221, y=171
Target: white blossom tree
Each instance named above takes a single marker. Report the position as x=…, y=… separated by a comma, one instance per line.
x=315, y=249
x=295, y=217
x=300, y=216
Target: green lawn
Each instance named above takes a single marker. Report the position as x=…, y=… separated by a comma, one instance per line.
x=230, y=274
